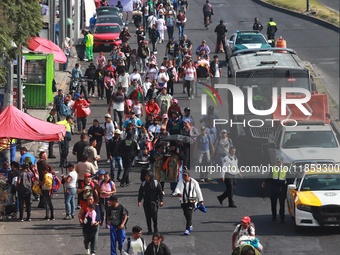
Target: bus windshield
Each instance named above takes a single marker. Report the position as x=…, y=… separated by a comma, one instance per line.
x=262, y=83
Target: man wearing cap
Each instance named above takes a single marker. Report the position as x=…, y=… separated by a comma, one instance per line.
x=203, y=46
x=278, y=189
x=114, y=156
x=245, y=228
x=85, y=189
x=24, y=154
x=187, y=115
x=171, y=48
x=70, y=182
x=136, y=122
x=189, y=192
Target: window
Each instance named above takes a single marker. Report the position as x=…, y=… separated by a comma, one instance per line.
x=35, y=71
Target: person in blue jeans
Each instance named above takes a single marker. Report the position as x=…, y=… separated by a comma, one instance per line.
x=71, y=189
x=116, y=218
x=90, y=231
x=113, y=156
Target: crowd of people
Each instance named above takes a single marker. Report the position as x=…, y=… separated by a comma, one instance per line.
x=140, y=124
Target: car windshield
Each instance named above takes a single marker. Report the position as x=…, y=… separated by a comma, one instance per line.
x=106, y=29
x=111, y=19
x=250, y=38
x=321, y=182
x=308, y=138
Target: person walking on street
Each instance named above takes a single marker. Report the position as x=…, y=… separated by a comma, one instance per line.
x=180, y=22
x=106, y=189
x=150, y=191
x=91, y=151
x=257, y=24
x=99, y=77
x=51, y=118
x=278, y=190
x=215, y=72
x=230, y=162
x=116, y=218
x=221, y=31
x=79, y=106
x=271, y=29
x=189, y=192
x=157, y=246
x=24, y=189
x=90, y=231
x=90, y=77
x=134, y=244
x=97, y=132
x=46, y=189
x=78, y=148
x=66, y=47
x=58, y=102
x=88, y=41
x=64, y=144
x=127, y=149
x=207, y=12
x=70, y=181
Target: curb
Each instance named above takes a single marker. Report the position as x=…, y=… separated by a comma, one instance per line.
x=300, y=15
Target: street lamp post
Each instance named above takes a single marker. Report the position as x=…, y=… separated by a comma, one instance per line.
x=307, y=7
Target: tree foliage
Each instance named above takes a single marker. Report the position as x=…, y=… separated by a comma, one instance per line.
x=20, y=19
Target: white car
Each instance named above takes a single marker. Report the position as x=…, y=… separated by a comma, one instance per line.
x=314, y=199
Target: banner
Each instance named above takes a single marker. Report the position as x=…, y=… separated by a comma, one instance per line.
x=127, y=4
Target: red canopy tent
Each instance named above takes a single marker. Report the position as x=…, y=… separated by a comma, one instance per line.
x=17, y=124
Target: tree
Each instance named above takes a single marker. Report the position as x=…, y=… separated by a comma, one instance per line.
x=20, y=19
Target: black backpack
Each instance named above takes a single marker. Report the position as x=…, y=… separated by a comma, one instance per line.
x=25, y=183
x=170, y=73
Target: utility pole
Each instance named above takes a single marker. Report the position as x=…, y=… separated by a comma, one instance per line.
x=51, y=23
x=76, y=21
x=19, y=81
x=307, y=7
x=62, y=26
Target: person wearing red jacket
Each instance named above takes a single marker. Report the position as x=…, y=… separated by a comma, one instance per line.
x=174, y=108
x=80, y=106
x=152, y=107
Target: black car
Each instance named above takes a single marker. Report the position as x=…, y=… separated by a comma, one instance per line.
x=110, y=19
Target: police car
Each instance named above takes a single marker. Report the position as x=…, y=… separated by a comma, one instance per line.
x=314, y=199
x=246, y=40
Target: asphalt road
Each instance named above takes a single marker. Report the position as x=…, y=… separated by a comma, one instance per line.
x=212, y=231
x=333, y=4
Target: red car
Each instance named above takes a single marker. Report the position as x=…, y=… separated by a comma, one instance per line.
x=106, y=35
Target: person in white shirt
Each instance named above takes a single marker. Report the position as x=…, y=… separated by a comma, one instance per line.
x=136, y=76
x=109, y=131
x=151, y=21
x=124, y=81
x=134, y=245
x=189, y=192
x=230, y=171
x=162, y=78
x=215, y=71
x=160, y=28
x=71, y=189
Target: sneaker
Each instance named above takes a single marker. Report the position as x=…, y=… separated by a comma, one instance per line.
x=163, y=193
x=51, y=156
x=78, y=207
x=68, y=217
x=85, y=59
x=88, y=251
x=102, y=98
x=191, y=228
x=108, y=161
x=149, y=232
x=52, y=218
x=72, y=216
x=189, y=98
x=220, y=200
x=174, y=194
x=202, y=180
x=93, y=254
x=21, y=220
x=98, y=98
x=186, y=232
x=46, y=218
x=233, y=206
x=28, y=220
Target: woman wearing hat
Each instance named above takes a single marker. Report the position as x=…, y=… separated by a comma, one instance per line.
x=151, y=71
